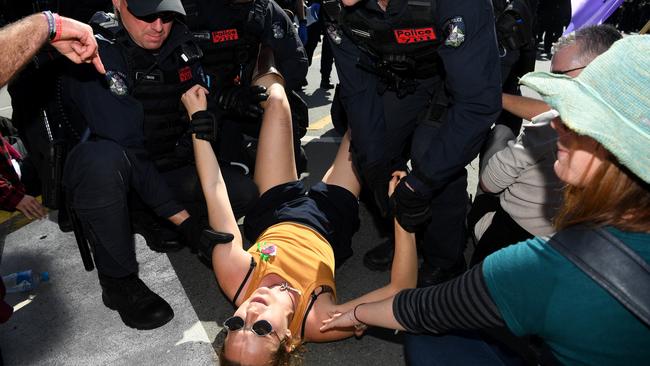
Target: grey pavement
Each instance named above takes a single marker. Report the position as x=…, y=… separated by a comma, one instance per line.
x=64, y=322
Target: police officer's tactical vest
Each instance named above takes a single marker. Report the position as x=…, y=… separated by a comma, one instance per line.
x=406, y=44
x=157, y=89
x=231, y=44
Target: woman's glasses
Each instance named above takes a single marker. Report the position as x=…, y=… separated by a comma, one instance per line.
x=261, y=327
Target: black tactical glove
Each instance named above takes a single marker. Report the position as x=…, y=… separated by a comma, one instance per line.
x=411, y=208
x=245, y=101
x=209, y=239
x=191, y=231
x=204, y=125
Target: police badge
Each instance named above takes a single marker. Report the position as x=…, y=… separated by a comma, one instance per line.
x=278, y=31
x=454, y=31
x=117, y=83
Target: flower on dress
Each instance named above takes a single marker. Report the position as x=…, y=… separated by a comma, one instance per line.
x=266, y=250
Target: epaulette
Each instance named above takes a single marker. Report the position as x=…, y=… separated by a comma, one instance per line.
x=106, y=26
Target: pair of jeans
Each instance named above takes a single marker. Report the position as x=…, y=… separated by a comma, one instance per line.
x=457, y=348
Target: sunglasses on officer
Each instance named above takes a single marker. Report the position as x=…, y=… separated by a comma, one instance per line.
x=165, y=16
x=260, y=328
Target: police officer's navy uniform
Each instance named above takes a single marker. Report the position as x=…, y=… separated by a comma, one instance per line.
x=424, y=75
x=138, y=141
x=230, y=35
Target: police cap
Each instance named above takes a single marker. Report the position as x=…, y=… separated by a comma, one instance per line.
x=142, y=8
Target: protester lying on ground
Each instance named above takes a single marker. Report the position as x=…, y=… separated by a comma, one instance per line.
x=521, y=169
x=283, y=286
x=530, y=288
x=21, y=40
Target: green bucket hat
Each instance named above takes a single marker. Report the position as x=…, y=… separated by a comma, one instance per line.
x=609, y=101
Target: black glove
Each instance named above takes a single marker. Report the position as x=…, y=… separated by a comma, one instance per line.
x=411, y=208
x=209, y=239
x=204, y=125
x=243, y=100
x=191, y=231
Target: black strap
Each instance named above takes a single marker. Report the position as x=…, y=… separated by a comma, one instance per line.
x=314, y=297
x=241, y=287
x=609, y=262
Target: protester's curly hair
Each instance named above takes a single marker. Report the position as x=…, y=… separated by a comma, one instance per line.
x=281, y=358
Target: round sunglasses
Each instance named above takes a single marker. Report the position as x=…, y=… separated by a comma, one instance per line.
x=260, y=328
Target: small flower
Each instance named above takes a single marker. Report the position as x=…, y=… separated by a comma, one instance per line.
x=266, y=251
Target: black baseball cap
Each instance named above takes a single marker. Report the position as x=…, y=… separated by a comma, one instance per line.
x=142, y=8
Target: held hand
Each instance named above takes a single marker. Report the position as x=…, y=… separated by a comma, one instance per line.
x=395, y=179
x=194, y=99
x=411, y=208
x=243, y=100
x=31, y=208
x=75, y=40
x=342, y=321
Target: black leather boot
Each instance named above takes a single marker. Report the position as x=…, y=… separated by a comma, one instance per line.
x=160, y=236
x=431, y=276
x=380, y=258
x=138, y=306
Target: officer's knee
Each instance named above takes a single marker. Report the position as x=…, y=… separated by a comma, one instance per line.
x=97, y=168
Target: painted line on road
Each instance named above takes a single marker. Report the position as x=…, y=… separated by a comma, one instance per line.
x=321, y=139
x=320, y=123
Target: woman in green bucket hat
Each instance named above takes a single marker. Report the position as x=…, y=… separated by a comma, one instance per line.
x=603, y=122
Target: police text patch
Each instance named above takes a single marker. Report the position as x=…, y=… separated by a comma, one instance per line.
x=225, y=35
x=414, y=35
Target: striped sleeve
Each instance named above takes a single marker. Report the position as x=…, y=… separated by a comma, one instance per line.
x=461, y=303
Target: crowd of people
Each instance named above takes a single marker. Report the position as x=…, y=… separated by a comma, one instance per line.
x=175, y=119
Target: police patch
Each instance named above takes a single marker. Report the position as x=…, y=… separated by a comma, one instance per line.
x=454, y=31
x=117, y=82
x=278, y=31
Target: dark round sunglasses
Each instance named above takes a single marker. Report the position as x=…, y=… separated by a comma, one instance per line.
x=165, y=16
x=260, y=328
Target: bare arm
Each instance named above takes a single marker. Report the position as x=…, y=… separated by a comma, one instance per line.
x=21, y=40
x=523, y=107
x=228, y=259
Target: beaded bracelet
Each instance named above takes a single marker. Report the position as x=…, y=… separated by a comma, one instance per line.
x=51, y=24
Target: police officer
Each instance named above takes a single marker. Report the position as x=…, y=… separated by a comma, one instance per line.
x=514, y=21
x=230, y=34
x=434, y=85
x=137, y=146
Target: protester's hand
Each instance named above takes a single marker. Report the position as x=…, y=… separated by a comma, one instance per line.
x=195, y=99
x=394, y=181
x=343, y=321
x=31, y=208
x=243, y=100
x=75, y=40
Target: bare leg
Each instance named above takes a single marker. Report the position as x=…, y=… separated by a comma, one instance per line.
x=275, y=162
x=342, y=172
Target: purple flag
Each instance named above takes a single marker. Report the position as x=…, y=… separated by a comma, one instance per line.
x=590, y=12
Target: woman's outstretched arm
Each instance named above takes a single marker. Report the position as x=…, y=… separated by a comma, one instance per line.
x=404, y=270
x=462, y=303
x=228, y=259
